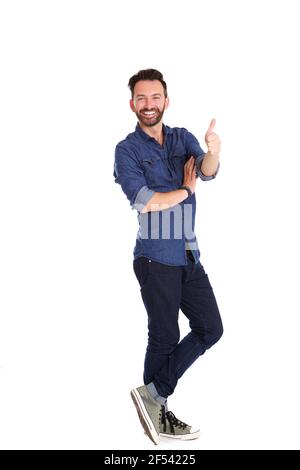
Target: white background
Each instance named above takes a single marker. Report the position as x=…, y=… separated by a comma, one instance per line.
x=73, y=325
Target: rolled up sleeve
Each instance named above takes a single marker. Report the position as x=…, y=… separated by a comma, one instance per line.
x=129, y=174
x=199, y=172
x=193, y=148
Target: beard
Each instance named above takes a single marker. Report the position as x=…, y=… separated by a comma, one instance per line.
x=150, y=121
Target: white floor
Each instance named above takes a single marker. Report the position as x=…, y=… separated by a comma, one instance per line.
x=63, y=393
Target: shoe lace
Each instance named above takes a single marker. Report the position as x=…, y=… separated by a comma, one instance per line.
x=173, y=421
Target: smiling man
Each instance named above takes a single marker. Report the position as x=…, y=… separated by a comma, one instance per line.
x=157, y=167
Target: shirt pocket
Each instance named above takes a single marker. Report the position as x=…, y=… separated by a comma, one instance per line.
x=152, y=169
x=177, y=162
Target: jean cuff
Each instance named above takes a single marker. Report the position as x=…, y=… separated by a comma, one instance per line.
x=155, y=395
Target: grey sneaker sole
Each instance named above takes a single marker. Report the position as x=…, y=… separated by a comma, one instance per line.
x=144, y=417
x=183, y=437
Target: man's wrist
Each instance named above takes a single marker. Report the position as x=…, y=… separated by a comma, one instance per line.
x=188, y=190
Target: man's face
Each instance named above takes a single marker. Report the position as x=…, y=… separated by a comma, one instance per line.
x=149, y=102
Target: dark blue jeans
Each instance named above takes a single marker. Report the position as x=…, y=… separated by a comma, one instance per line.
x=165, y=290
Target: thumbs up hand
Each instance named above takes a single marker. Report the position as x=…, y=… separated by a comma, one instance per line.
x=212, y=140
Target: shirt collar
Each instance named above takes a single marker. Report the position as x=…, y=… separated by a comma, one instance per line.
x=166, y=130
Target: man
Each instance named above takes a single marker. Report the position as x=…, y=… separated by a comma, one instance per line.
x=157, y=167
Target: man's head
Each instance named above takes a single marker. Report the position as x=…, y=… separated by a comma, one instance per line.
x=149, y=97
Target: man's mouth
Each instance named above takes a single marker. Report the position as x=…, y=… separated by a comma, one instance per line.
x=149, y=113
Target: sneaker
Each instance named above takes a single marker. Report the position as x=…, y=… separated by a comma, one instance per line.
x=170, y=426
x=149, y=410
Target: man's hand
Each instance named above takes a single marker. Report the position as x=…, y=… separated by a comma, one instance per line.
x=212, y=139
x=190, y=174
x=162, y=201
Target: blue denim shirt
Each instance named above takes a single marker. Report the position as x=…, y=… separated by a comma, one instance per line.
x=142, y=167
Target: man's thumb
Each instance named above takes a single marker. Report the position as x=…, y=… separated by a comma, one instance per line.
x=211, y=127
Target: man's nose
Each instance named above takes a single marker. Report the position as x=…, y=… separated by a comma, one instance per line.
x=149, y=103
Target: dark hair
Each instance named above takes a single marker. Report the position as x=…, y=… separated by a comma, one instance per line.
x=147, y=74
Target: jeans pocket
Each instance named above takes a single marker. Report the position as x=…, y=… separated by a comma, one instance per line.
x=141, y=270
x=200, y=269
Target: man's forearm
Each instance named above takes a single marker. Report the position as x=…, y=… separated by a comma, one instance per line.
x=209, y=164
x=161, y=201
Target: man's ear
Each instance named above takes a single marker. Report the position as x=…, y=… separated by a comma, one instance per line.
x=167, y=103
x=132, y=105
